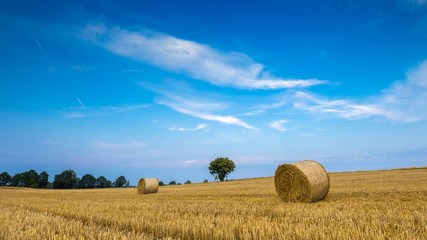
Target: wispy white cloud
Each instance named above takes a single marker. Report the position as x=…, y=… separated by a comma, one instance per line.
x=195, y=105
x=342, y=108
x=370, y=160
x=82, y=68
x=39, y=45
x=411, y=3
x=285, y=99
x=403, y=101
x=130, y=144
x=83, y=111
x=80, y=102
x=193, y=162
x=198, y=127
x=254, y=112
x=207, y=116
x=408, y=98
x=278, y=125
x=197, y=60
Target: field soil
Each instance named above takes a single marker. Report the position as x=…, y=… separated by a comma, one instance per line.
x=389, y=204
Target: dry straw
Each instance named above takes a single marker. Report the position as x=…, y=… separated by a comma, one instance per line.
x=148, y=185
x=304, y=181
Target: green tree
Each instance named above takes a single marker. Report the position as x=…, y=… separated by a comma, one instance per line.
x=87, y=181
x=187, y=182
x=221, y=167
x=66, y=180
x=161, y=183
x=205, y=181
x=102, y=182
x=16, y=180
x=109, y=184
x=30, y=179
x=172, y=183
x=5, y=179
x=43, y=179
x=120, y=182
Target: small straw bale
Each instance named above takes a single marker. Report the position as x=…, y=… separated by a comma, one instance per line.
x=148, y=185
x=304, y=181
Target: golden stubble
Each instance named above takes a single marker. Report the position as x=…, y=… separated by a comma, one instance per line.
x=360, y=205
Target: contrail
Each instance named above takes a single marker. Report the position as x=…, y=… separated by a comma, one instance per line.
x=40, y=46
x=81, y=103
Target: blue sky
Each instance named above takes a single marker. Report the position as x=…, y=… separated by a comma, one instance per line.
x=161, y=88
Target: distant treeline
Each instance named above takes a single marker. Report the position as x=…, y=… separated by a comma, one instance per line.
x=66, y=180
x=172, y=183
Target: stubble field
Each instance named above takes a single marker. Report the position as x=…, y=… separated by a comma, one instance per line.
x=360, y=205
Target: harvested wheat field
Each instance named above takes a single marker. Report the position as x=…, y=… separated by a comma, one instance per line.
x=360, y=205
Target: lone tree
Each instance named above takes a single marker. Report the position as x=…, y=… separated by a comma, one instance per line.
x=221, y=167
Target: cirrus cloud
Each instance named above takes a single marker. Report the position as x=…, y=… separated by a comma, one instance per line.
x=208, y=116
x=196, y=60
x=130, y=144
x=403, y=101
x=198, y=127
x=278, y=125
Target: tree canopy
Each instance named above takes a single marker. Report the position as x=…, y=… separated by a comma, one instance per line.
x=120, y=182
x=102, y=182
x=5, y=179
x=87, y=181
x=221, y=167
x=43, y=179
x=25, y=179
x=16, y=180
x=66, y=180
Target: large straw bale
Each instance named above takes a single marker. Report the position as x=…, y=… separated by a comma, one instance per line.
x=304, y=181
x=148, y=185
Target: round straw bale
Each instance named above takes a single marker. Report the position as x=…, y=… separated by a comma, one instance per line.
x=148, y=185
x=304, y=181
